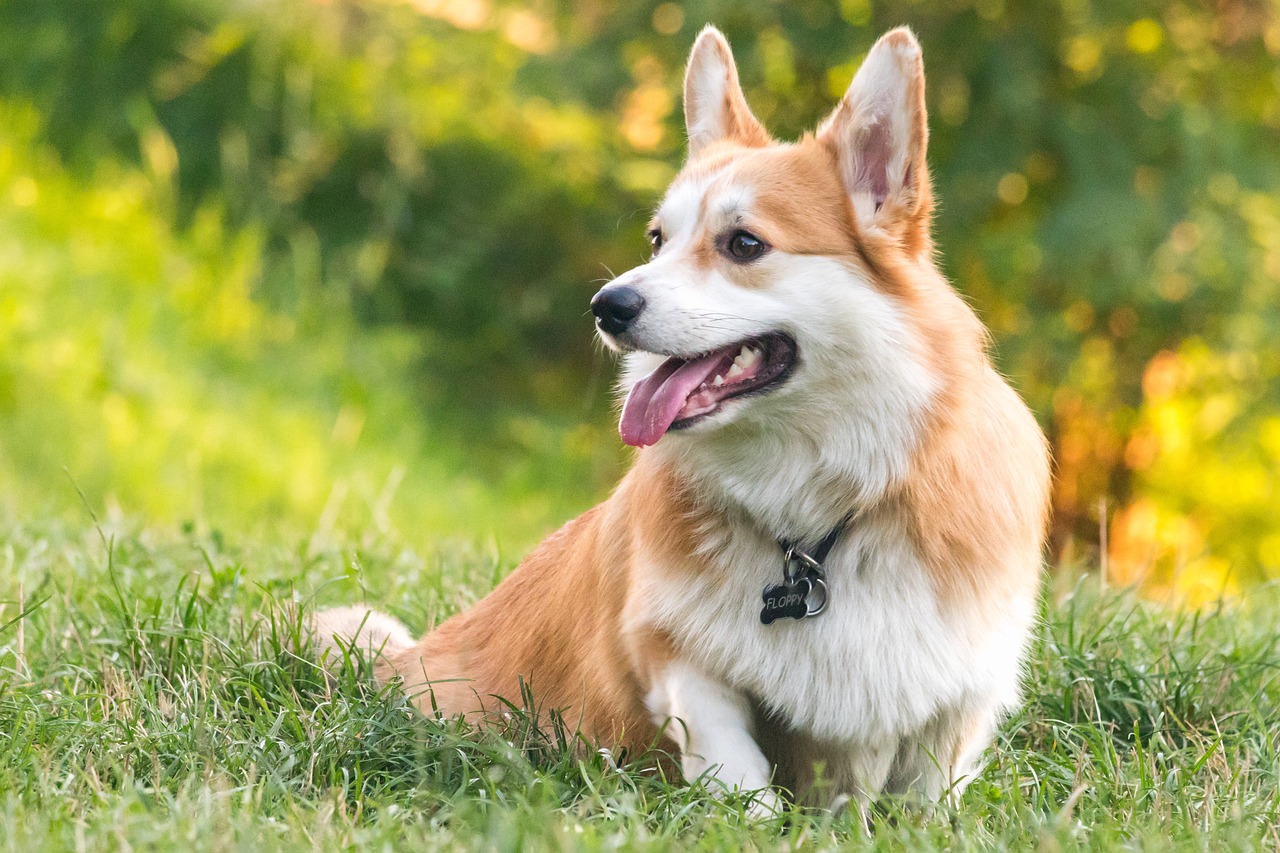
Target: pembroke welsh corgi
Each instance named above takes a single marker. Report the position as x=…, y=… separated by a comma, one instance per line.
x=827, y=553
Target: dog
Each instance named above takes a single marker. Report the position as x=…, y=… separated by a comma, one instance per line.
x=820, y=576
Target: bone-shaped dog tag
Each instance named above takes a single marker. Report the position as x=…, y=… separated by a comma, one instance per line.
x=786, y=600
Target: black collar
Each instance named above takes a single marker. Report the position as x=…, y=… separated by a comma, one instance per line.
x=818, y=554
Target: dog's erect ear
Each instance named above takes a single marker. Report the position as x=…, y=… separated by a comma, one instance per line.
x=879, y=134
x=714, y=107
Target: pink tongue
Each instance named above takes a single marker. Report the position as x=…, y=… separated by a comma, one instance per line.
x=655, y=401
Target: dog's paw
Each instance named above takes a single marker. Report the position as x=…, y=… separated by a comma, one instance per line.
x=765, y=805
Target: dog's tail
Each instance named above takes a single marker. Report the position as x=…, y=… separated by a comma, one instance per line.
x=338, y=630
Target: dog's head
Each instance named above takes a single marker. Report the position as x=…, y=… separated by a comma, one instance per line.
x=776, y=274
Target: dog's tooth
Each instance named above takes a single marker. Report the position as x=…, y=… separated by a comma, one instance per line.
x=747, y=358
x=735, y=370
x=718, y=381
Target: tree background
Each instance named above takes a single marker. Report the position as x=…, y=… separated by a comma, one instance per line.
x=306, y=264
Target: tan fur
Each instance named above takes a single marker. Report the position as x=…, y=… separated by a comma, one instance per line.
x=556, y=623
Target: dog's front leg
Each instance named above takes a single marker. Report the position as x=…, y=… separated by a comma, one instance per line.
x=712, y=724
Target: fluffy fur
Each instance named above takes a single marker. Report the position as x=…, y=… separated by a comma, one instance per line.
x=640, y=619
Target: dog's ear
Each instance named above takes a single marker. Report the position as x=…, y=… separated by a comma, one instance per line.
x=714, y=106
x=879, y=134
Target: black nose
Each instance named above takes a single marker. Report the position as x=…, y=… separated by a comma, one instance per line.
x=615, y=307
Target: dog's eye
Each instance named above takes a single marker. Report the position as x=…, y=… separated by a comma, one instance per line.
x=745, y=247
x=655, y=239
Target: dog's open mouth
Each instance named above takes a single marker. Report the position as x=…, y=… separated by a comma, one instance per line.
x=682, y=391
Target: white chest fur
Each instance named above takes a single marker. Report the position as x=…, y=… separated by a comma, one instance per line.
x=885, y=657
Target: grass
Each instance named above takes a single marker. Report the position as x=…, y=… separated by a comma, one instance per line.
x=158, y=694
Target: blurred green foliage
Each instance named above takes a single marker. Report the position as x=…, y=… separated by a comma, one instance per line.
x=264, y=260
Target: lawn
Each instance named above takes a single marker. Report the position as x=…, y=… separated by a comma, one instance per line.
x=158, y=694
